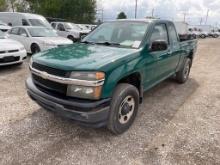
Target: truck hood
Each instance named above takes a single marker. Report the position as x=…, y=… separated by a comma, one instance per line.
x=83, y=57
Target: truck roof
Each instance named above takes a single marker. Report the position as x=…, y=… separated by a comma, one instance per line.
x=140, y=20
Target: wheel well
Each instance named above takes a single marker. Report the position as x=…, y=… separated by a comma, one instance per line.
x=33, y=44
x=70, y=36
x=135, y=80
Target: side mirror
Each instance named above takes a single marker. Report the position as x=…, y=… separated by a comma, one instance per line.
x=158, y=45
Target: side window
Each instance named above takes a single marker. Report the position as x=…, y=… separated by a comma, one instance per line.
x=22, y=32
x=159, y=33
x=173, y=34
x=60, y=27
x=14, y=31
x=24, y=22
x=53, y=25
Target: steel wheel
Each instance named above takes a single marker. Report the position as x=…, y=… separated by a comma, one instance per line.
x=126, y=109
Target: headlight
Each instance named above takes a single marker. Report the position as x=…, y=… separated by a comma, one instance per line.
x=22, y=48
x=86, y=91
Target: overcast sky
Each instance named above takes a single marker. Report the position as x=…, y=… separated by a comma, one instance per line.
x=166, y=9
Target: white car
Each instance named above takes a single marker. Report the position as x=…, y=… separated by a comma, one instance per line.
x=11, y=52
x=69, y=30
x=36, y=39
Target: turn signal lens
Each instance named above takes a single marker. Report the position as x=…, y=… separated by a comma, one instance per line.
x=100, y=75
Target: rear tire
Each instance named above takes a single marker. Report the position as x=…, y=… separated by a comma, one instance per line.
x=123, y=108
x=35, y=49
x=203, y=36
x=183, y=75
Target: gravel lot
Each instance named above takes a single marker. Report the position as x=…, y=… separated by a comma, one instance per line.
x=176, y=124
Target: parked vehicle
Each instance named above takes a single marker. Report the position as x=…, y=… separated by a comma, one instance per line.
x=11, y=52
x=88, y=26
x=203, y=34
x=183, y=31
x=214, y=34
x=23, y=19
x=36, y=39
x=83, y=27
x=4, y=27
x=101, y=81
x=69, y=30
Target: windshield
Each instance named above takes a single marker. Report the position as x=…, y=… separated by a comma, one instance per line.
x=41, y=32
x=39, y=22
x=128, y=34
x=2, y=35
x=71, y=26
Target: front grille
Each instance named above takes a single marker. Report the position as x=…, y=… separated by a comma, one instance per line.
x=9, y=59
x=2, y=52
x=49, y=85
x=49, y=70
x=13, y=51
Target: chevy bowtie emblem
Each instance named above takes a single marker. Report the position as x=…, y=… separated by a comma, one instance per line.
x=44, y=75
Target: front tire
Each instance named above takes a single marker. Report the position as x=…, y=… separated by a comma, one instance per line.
x=183, y=75
x=35, y=49
x=203, y=36
x=123, y=108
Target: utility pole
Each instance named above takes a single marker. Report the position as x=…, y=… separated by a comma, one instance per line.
x=184, y=16
x=201, y=21
x=207, y=17
x=152, y=13
x=135, y=9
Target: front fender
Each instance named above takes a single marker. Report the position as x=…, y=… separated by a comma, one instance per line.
x=117, y=74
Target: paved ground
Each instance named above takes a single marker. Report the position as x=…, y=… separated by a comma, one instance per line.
x=177, y=124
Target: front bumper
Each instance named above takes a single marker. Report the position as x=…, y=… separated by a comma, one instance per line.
x=90, y=113
x=21, y=54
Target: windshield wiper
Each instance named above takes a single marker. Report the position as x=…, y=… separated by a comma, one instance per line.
x=108, y=43
x=87, y=42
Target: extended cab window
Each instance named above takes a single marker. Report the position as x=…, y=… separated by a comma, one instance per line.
x=173, y=34
x=159, y=33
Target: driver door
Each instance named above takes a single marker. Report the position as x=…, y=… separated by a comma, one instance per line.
x=23, y=38
x=161, y=58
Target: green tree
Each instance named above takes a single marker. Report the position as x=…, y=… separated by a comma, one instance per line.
x=121, y=15
x=79, y=11
x=22, y=6
x=3, y=5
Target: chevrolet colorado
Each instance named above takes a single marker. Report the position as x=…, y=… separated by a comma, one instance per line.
x=101, y=81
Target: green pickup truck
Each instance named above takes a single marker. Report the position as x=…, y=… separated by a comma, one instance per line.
x=101, y=80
